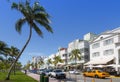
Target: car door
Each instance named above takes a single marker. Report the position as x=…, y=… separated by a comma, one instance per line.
x=89, y=73
x=93, y=73
x=54, y=73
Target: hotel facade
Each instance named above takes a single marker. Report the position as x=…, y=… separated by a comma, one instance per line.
x=102, y=49
x=105, y=49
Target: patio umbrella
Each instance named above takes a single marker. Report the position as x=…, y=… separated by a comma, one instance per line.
x=113, y=65
x=99, y=66
x=90, y=66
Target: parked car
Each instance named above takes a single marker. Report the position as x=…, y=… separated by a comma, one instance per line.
x=47, y=72
x=40, y=71
x=96, y=74
x=58, y=73
x=74, y=72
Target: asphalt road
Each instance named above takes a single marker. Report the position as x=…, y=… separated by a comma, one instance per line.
x=80, y=78
x=76, y=78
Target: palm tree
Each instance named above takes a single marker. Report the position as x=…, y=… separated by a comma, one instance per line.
x=13, y=52
x=57, y=59
x=33, y=15
x=3, y=47
x=49, y=61
x=18, y=65
x=1, y=59
x=40, y=61
x=32, y=65
x=5, y=53
x=75, y=55
x=28, y=65
x=4, y=50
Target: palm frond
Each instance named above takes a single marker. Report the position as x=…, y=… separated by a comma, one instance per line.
x=42, y=16
x=45, y=25
x=19, y=24
x=15, y=6
x=75, y=54
x=37, y=8
x=36, y=28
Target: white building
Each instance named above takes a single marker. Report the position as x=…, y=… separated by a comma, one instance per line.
x=35, y=61
x=83, y=46
x=89, y=36
x=105, y=49
x=62, y=52
x=46, y=65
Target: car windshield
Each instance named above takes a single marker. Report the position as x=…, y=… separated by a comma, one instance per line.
x=47, y=70
x=101, y=71
x=58, y=71
x=42, y=69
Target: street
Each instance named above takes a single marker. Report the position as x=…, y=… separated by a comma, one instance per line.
x=76, y=78
x=80, y=78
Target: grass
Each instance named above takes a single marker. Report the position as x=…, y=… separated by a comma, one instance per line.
x=19, y=77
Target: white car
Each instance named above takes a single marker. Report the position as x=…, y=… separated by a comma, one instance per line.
x=74, y=72
x=57, y=73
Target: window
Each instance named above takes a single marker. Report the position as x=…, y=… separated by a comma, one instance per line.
x=107, y=42
x=82, y=58
x=109, y=52
x=96, y=54
x=82, y=50
x=96, y=45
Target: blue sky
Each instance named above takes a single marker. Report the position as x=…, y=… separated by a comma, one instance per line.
x=71, y=19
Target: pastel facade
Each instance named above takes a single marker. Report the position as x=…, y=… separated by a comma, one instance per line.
x=83, y=46
x=95, y=49
x=105, y=49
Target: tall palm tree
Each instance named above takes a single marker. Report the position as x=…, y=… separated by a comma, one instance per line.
x=75, y=55
x=3, y=47
x=1, y=59
x=49, y=61
x=13, y=52
x=32, y=65
x=4, y=50
x=32, y=15
x=40, y=61
x=57, y=59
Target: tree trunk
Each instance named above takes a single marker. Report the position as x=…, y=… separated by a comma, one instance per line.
x=14, y=69
x=75, y=68
x=9, y=72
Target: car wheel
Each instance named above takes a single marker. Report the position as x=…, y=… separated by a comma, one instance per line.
x=84, y=75
x=64, y=77
x=51, y=76
x=96, y=76
x=56, y=77
x=103, y=77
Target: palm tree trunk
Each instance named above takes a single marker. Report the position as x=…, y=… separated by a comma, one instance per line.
x=9, y=72
x=75, y=68
x=14, y=69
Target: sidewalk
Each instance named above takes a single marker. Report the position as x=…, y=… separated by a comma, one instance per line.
x=34, y=76
x=37, y=77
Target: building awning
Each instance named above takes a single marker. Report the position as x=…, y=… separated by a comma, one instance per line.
x=99, y=61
